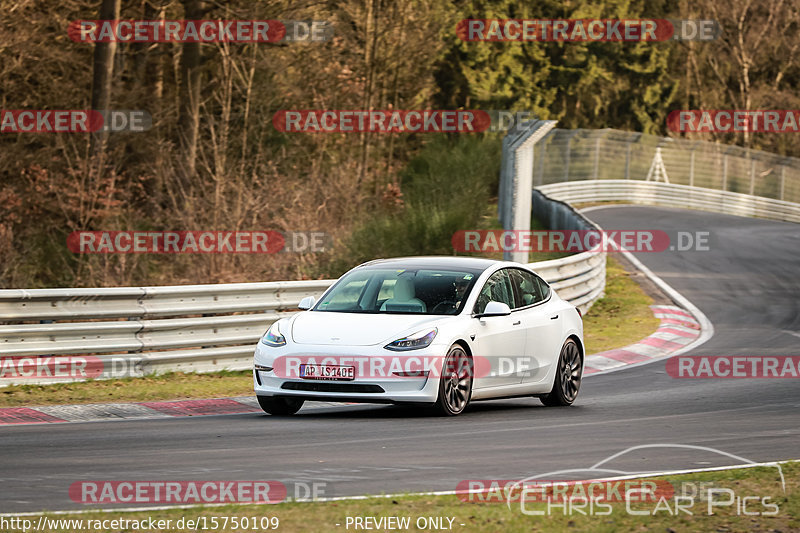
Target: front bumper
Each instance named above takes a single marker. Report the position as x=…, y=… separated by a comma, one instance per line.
x=369, y=388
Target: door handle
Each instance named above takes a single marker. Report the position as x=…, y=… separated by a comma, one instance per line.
x=517, y=323
x=553, y=317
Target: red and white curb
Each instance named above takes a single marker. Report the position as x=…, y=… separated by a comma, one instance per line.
x=132, y=411
x=678, y=329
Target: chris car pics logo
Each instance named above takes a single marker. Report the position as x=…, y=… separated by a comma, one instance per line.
x=601, y=489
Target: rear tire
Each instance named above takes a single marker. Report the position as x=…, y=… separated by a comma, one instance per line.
x=567, y=382
x=279, y=406
x=455, y=384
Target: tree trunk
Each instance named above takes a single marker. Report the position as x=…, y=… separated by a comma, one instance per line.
x=191, y=79
x=147, y=57
x=103, y=75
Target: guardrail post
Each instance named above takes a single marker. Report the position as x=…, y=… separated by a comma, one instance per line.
x=596, y=168
x=628, y=161
x=542, y=155
x=752, y=174
x=725, y=172
x=783, y=179
x=691, y=167
x=569, y=156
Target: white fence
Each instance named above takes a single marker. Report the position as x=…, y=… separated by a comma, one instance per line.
x=577, y=155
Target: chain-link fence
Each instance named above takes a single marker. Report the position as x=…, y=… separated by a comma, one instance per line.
x=572, y=155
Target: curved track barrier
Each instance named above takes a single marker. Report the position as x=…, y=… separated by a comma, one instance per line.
x=193, y=328
x=672, y=195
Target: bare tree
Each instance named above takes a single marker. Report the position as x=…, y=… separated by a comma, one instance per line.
x=189, y=92
x=103, y=74
x=756, y=51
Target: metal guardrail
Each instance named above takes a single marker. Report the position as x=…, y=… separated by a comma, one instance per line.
x=580, y=279
x=583, y=276
x=18, y=305
x=203, y=328
x=157, y=329
x=192, y=328
x=672, y=195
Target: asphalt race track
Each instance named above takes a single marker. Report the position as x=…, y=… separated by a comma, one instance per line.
x=747, y=285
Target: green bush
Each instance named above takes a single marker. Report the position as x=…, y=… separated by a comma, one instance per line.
x=447, y=187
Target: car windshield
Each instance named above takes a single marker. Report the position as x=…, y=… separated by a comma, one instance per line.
x=404, y=291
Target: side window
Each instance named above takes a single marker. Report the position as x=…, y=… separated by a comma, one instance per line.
x=498, y=289
x=530, y=288
x=544, y=288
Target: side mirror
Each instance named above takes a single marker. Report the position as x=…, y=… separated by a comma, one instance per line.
x=307, y=303
x=496, y=309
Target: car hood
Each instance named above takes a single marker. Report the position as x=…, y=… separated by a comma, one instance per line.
x=355, y=329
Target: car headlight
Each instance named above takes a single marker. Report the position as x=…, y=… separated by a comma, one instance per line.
x=420, y=339
x=273, y=337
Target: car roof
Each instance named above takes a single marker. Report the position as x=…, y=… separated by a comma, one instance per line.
x=473, y=264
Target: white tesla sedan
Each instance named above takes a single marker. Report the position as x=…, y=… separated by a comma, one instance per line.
x=441, y=331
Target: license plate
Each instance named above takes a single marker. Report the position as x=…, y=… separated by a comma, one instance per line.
x=337, y=373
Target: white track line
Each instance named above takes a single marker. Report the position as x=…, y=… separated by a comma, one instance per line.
x=706, y=327
x=795, y=333
x=398, y=495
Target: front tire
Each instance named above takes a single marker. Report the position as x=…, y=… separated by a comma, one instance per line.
x=279, y=406
x=568, y=376
x=455, y=384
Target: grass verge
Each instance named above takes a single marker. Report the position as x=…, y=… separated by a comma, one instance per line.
x=761, y=485
x=171, y=386
x=622, y=317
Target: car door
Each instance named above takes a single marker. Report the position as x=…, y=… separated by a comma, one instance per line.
x=499, y=340
x=541, y=321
